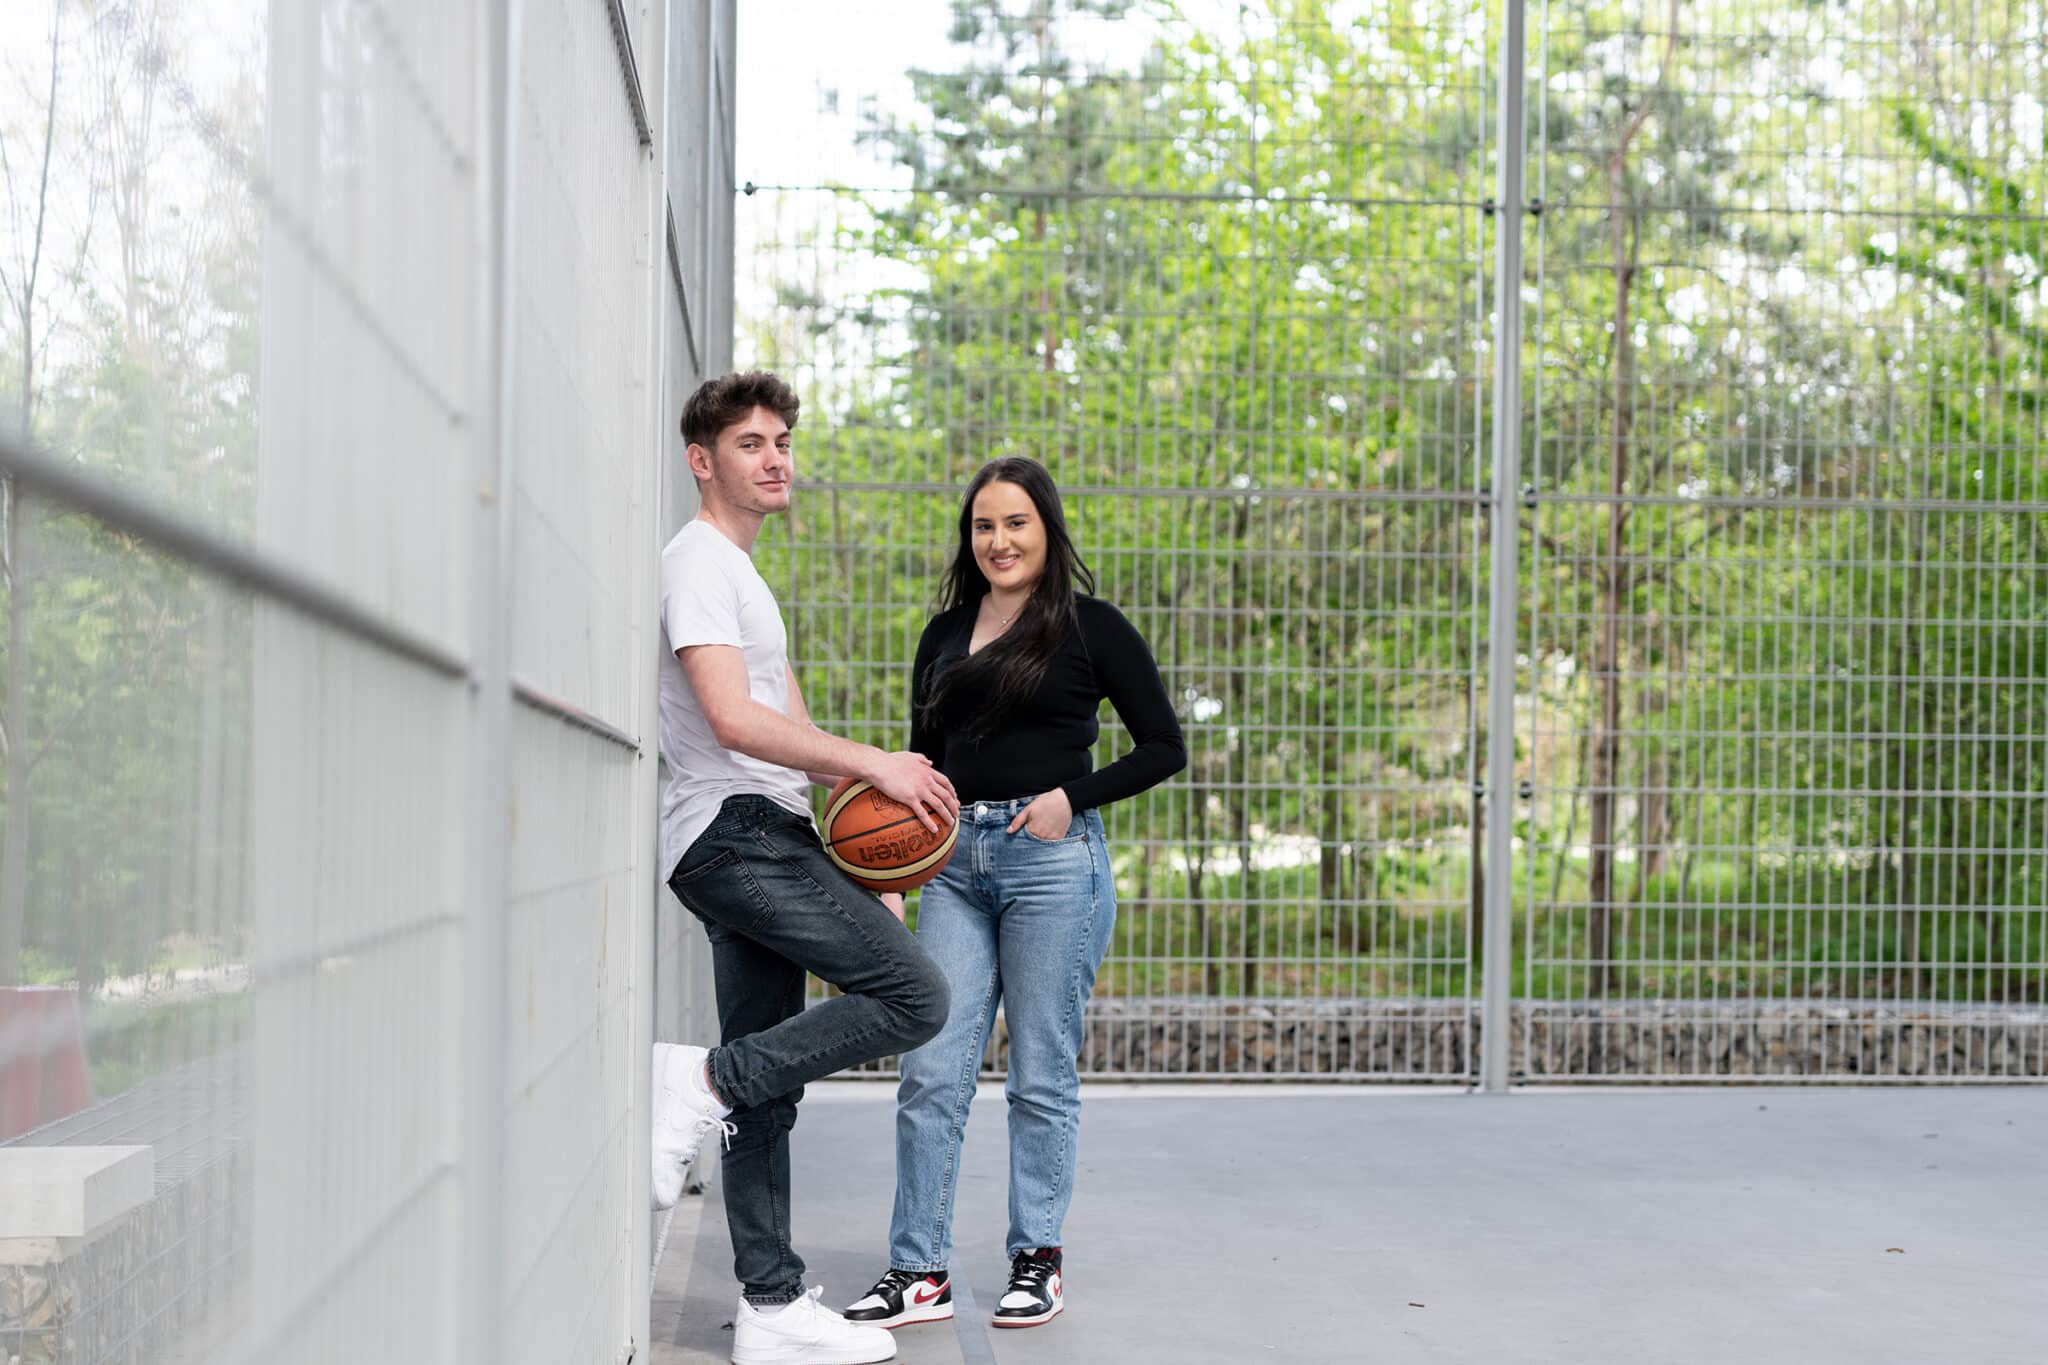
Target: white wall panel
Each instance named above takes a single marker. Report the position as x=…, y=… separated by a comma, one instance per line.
x=373, y=971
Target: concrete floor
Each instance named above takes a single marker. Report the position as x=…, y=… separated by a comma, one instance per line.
x=1240, y=1224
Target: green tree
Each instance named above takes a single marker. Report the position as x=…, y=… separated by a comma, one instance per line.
x=1151, y=279
x=1779, y=554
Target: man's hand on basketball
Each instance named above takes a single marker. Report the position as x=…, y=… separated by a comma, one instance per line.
x=894, y=901
x=1048, y=816
x=909, y=777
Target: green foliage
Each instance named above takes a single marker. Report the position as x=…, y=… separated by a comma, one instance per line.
x=1233, y=293
x=133, y=1041
x=132, y=737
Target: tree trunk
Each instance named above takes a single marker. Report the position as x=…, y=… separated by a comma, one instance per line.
x=1198, y=909
x=1475, y=909
x=1475, y=773
x=14, y=855
x=1607, y=654
x=1571, y=818
x=1247, y=886
x=208, y=913
x=1330, y=801
x=1240, y=805
x=20, y=800
x=1624, y=233
x=18, y=555
x=1329, y=835
x=1653, y=803
x=1197, y=832
x=1910, y=756
x=1331, y=889
x=1050, y=338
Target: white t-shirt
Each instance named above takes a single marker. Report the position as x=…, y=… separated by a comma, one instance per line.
x=711, y=594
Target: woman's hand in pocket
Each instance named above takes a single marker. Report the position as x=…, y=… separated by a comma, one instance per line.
x=1047, y=817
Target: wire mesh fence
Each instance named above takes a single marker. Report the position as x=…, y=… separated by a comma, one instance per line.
x=1229, y=271
x=1167, y=281
x=1783, y=545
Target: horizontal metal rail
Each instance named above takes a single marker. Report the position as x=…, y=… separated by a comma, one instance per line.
x=1246, y=193
x=1789, y=502
x=570, y=713
x=184, y=538
x=187, y=539
x=629, y=71
x=1462, y=496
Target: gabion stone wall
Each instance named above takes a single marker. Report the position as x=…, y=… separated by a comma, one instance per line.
x=143, y=1290
x=1436, y=1040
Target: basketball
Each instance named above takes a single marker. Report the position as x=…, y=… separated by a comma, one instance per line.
x=879, y=842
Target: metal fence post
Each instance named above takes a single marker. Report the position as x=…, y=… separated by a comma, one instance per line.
x=1497, y=929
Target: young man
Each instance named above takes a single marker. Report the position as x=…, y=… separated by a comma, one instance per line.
x=736, y=833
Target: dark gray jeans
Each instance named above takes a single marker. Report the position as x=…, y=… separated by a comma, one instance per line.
x=774, y=908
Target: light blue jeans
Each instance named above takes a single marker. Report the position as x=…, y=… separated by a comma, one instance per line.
x=1024, y=922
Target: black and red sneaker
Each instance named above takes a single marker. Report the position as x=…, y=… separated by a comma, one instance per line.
x=1034, y=1294
x=903, y=1297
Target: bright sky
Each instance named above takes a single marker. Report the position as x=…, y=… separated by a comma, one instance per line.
x=221, y=42
x=808, y=71
x=794, y=55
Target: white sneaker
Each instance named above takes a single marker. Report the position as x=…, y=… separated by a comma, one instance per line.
x=684, y=1111
x=805, y=1332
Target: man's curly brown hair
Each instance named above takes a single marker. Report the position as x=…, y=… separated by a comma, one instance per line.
x=720, y=402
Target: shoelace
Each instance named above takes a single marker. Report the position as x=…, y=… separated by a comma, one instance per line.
x=893, y=1282
x=728, y=1131
x=1029, y=1270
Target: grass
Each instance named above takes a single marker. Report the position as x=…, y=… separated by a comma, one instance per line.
x=128, y=1042
x=1718, y=929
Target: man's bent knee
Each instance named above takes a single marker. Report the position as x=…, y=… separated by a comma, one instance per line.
x=922, y=1004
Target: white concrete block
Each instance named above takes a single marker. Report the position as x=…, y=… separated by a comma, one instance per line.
x=71, y=1191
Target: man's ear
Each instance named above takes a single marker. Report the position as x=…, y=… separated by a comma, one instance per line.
x=700, y=460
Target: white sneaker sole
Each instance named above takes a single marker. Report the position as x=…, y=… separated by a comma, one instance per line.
x=674, y=1152
x=793, y=1354
x=910, y=1317
x=671, y=1172
x=1037, y=1321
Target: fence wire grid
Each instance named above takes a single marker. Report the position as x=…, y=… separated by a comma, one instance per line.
x=1231, y=272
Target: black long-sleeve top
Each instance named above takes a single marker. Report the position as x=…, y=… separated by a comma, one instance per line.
x=1049, y=739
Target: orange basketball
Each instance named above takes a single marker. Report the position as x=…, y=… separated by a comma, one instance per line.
x=879, y=842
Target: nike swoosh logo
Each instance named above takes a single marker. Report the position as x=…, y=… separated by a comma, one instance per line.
x=924, y=1294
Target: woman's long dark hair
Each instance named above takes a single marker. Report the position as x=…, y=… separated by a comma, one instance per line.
x=1011, y=666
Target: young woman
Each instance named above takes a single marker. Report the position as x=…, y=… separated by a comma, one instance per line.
x=1004, y=694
